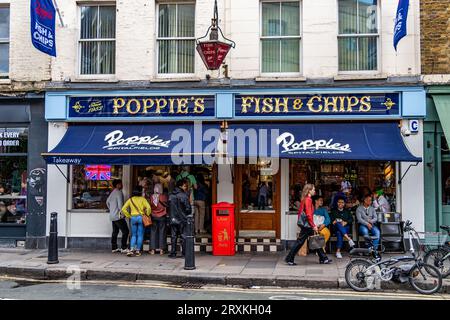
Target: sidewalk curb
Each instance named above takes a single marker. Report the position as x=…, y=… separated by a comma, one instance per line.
x=43, y=273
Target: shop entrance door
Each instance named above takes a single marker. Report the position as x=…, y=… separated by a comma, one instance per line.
x=167, y=175
x=257, y=199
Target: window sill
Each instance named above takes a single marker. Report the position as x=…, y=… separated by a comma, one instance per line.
x=280, y=78
x=175, y=79
x=94, y=79
x=374, y=76
x=5, y=81
x=88, y=211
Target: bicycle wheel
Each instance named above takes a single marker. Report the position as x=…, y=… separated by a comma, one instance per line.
x=435, y=257
x=356, y=275
x=425, y=278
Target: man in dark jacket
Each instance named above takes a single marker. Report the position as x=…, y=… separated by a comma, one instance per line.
x=180, y=209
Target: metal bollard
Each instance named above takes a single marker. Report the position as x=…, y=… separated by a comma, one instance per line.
x=53, y=239
x=189, y=258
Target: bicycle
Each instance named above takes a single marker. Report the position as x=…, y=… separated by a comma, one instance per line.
x=440, y=256
x=363, y=274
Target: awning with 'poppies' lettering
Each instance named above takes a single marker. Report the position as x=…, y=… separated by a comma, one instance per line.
x=325, y=140
x=121, y=144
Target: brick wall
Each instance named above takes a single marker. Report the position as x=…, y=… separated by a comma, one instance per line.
x=435, y=36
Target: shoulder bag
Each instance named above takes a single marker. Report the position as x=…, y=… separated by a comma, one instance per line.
x=146, y=220
x=316, y=241
x=302, y=221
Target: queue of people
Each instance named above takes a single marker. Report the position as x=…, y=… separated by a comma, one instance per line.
x=338, y=220
x=165, y=210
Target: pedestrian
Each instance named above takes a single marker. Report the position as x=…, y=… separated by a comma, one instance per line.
x=115, y=203
x=158, y=204
x=200, y=197
x=341, y=219
x=307, y=207
x=367, y=218
x=321, y=218
x=263, y=193
x=380, y=202
x=179, y=208
x=135, y=208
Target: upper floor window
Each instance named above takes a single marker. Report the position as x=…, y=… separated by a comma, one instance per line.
x=98, y=40
x=4, y=40
x=176, y=38
x=358, y=35
x=280, y=37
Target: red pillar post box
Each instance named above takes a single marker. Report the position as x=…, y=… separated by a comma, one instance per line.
x=223, y=240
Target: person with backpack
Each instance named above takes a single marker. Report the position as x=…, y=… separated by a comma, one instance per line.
x=179, y=208
x=135, y=208
x=158, y=203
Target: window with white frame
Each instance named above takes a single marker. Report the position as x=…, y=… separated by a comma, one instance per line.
x=98, y=40
x=4, y=41
x=176, y=38
x=358, y=35
x=280, y=37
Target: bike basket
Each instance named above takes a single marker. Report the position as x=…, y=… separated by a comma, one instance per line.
x=432, y=239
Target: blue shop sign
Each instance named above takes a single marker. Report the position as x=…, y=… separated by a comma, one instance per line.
x=142, y=107
x=319, y=105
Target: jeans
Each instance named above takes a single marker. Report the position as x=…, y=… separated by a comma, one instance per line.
x=340, y=231
x=177, y=230
x=122, y=226
x=302, y=237
x=364, y=231
x=261, y=202
x=137, y=233
x=158, y=238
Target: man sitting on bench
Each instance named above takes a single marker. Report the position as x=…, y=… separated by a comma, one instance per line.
x=367, y=217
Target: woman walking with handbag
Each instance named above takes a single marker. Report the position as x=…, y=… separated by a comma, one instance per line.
x=308, y=228
x=135, y=208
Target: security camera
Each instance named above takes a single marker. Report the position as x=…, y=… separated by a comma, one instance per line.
x=406, y=132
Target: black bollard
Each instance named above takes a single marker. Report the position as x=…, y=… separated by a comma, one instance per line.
x=189, y=258
x=53, y=239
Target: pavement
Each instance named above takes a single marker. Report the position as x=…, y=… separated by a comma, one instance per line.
x=243, y=269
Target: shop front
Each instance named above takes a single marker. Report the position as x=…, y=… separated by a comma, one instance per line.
x=22, y=172
x=437, y=158
x=255, y=149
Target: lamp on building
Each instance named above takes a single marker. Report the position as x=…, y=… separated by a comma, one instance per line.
x=213, y=51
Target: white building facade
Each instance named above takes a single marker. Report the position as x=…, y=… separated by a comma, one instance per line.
x=334, y=57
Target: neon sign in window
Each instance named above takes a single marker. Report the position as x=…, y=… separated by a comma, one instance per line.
x=98, y=172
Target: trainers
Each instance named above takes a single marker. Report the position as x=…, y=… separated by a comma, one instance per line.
x=130, y=253
x=116, y=250
x=351, y=243
x=338, y=255
x=125, y=251
x=138, y=254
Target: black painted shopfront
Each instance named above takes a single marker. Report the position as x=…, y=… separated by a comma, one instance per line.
x=23, y=137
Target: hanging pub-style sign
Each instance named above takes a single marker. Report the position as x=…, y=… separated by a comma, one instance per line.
x=213, y=51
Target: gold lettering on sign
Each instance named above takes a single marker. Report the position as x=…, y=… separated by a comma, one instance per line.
x=136, y=103
x=366, y=106
x=298, y=104
x=283, y=104
x=257, y=105
x=147, y=104
x=310, y=104
x=171, y=105
x=267, y=105
x=182, y=105
x=118, y=104
x=342, y=104
x=333, y=103
x=246, y=103
x=160, y=104
x=352, y=102
x=199, y=105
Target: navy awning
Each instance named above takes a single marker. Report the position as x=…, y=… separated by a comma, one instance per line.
x=163, y=144
x=331, y=141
